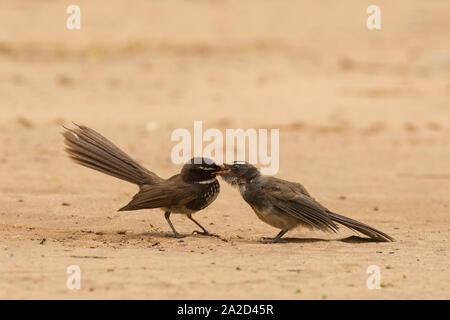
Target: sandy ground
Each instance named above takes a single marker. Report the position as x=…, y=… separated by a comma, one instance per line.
x=364, y=124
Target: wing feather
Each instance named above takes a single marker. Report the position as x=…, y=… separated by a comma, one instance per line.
x=294, y=200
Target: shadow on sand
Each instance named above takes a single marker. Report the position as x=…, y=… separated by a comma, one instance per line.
x=351, y=239
x=169, y=235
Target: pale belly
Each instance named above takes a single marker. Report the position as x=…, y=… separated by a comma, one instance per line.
x=281, y=221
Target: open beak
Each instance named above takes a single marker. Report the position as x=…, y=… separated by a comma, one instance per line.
x=224, y=170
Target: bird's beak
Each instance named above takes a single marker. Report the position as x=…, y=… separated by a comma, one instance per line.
x=223, y=170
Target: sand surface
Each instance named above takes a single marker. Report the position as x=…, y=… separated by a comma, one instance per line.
x=364, y=124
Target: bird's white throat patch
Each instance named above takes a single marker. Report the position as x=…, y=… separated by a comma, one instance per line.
x=206, y=181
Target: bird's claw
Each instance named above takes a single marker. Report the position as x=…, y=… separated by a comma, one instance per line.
x=176, y=235
x=204, y=233
x=268, y=240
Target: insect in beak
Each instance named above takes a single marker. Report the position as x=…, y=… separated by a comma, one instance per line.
x=224, y=170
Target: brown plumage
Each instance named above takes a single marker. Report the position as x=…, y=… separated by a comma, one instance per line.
x=286, y=205
x=192, y=190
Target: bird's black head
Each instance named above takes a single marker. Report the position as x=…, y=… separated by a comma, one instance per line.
x=198, y=170
x=240, y=173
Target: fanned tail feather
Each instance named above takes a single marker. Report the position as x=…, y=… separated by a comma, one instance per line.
x=90, y=149
x=360, y=227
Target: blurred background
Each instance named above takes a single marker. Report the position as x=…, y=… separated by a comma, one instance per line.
x=138, y=71
x=250, y=63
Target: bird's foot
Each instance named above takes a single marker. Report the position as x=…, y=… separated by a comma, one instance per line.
x=206, y=233
x=176, y=235
x=268, y=240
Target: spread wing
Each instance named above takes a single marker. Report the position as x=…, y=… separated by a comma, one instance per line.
x=292, y=198
x=169, y=193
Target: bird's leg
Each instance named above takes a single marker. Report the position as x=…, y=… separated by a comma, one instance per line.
x=279, y=235
x=175, y=233
x=205, y=232
x=277, y=238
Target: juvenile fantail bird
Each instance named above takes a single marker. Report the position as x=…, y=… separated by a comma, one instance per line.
x=286, y=205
